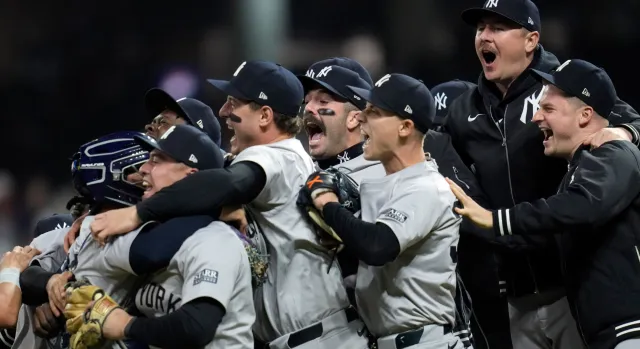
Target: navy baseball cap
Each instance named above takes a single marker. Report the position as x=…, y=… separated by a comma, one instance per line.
x=186, y=144
x=403, y=95
x=522, y=12
x=447, y=92
x=585, y=81
x=194, y=111
x=334, y=79
x=57, y=221
x=344, y=62
x=265, y=83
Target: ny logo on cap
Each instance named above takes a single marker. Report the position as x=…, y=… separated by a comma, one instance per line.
x=310, y=73
x=240, y=68
x=168, y=132
x=383, y=80
x=324, y=72
x=441, y=100
x=491, y=3
x=563, y=65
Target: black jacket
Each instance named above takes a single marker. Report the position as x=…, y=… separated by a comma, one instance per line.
x=496, y=138
x=598, y=209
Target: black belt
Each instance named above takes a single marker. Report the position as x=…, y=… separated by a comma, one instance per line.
x=409, y=338
x=312, y=332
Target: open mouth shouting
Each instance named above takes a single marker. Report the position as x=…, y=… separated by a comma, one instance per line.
x=488, y=57
x=148, y=187
x=366, y=138
x=548, y=134
x=315, y=131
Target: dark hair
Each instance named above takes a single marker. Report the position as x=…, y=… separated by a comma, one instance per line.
x=289, y=124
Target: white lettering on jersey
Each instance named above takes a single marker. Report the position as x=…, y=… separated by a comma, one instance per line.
x=206, y=275
x=239, y=68
x=383, y=80
x=532, y=101
x=396, y=215
x=441, y=100
x=324, y=72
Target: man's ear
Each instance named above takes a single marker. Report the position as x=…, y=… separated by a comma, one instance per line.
x=405, y=128
x=531, y=43
x=586, y=115
x=266, y=116
x=352, y=120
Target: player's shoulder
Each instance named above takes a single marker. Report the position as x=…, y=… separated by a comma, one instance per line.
x=217, y=234
x=49, y=238
x=424, y=178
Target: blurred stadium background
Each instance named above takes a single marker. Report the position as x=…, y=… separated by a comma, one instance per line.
x=74, y=70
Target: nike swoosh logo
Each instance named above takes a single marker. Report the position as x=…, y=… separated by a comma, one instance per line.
x=473, y=118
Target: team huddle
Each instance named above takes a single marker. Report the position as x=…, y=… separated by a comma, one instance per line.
x=416, y=218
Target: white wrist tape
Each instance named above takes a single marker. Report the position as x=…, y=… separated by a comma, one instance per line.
x=10, y=275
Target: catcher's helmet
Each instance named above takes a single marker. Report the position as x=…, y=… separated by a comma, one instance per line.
x=100, y=169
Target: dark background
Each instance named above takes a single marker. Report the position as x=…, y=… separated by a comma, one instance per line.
x=71, y=71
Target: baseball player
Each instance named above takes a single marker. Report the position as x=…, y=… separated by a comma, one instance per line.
x=11, y=265
x=167, y=112
x=121, y=154
x=204, y=297
x=262, y=107
x=491, y=129
x=406, y=240
x=596, y=214
x=444, y=94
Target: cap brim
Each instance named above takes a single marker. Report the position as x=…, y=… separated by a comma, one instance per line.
x=361, y=92
x=309, y=84
x=473, y=15
x=156, y=101
x=226, y=87
x=543, y=77
x=146, y=143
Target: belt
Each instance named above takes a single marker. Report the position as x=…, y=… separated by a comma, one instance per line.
x=310, y=333
x=413, y=337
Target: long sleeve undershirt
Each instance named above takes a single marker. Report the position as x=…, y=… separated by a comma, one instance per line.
x=372, y=243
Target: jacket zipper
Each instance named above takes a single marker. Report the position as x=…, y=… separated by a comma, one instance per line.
x=584, y=340
x=455, y=172
x=506, y=154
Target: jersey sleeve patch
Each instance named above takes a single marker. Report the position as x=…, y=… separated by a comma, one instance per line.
x=395, y=215
x=206, y=275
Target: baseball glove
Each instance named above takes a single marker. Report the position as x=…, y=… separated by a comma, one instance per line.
x=330, y=180
x=87, y=308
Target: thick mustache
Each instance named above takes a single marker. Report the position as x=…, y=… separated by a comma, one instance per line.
x=308, y=117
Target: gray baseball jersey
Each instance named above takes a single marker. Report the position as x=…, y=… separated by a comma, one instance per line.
x=211, y=263
x=298, y=291
x=418, y=287
x=51, y=258
x=359, y=168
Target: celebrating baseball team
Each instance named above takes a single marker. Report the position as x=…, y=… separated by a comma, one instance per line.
x=502, y=214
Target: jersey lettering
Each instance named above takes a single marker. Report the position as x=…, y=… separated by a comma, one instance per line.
x=153, y=296
x=532, y=101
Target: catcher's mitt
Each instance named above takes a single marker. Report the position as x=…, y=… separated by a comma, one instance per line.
x=87, y=308
x=330, y=180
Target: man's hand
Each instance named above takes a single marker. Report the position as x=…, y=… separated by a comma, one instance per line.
x=235, y=216
x=114, y=222
x=57, y=293
x=115, y=323
x=470, y=209
x=73, y=232
x=45, y=323
x=19, y=258
x=323, y=199
x=607, y=135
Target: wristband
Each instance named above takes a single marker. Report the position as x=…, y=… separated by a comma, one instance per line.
x=127, y=328
x=10, y=275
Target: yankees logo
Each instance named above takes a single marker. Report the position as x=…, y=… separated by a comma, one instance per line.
x=383, y=80
x=441, y=100
x=239, y=68
x=491, y=3
x=324, y=72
